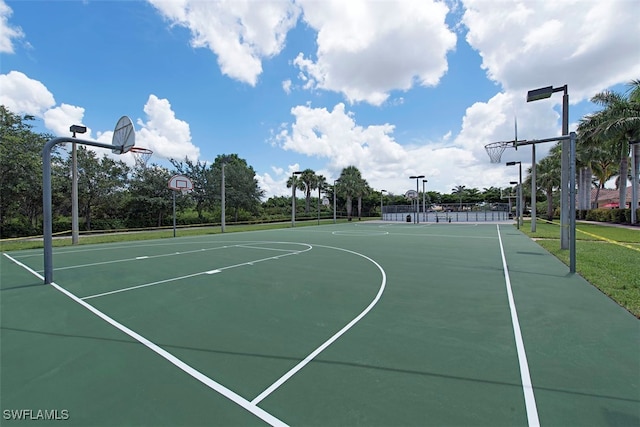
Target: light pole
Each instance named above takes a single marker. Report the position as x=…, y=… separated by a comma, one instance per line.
x=334, y=199
x=635, y=168
x=320, y=187
x=517, y=203
x=294, y=183
x=543, y=93
x=417, y=177
x=520, y=196
x=223, y=197
x=424, y=209
x=75, y=229
x=381, y=213
x=534, y=189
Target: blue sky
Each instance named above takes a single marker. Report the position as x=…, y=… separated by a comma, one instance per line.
x=396, y=88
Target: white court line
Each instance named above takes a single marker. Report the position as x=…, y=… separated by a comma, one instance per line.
x=138, y=258
x=173, y=279
x=331, y=340
x=193, y=240
x=131, y=288
x=234, y=397
x=263, y=248
x=527, y=387
x=441, y=235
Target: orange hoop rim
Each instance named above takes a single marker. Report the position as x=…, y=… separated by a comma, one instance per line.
x=140, y=150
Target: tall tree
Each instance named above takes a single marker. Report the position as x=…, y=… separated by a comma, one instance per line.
x=321, y=185
x=307, y=182
x=150, y=199
x=618, y=123
x=548, y=176
x=99, y=182
x=460, y=191
x=203, y=189
x=242, y=191
x=491, y=195
x=21, y=170
x=350, y=185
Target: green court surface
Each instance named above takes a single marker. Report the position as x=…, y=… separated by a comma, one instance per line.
x=370, y=324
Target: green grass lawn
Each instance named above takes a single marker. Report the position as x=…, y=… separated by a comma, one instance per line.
x=124, y=236
x=608, y=257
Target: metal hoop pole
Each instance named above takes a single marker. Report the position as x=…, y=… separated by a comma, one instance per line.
x=47, y=221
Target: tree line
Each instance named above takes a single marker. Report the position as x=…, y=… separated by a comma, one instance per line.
x=113, y=195
x=603, y=147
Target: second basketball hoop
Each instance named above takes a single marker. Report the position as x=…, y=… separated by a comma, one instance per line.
x=181, y=183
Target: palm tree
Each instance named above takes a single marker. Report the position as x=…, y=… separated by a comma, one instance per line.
x=460, y=190
x=548, y=176
x=308, y=181
x=617, y=124
x=321, y=182
x=363, y=190
x=321, y=185
x=603, y=170
x=350, y=185
x=294, y=181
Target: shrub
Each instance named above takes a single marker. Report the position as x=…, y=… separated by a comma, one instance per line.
x=18, y=227
x=617, y=216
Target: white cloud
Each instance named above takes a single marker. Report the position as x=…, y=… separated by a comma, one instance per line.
x=367, y=49
x=163, y=133
x=23, y=95
x=276, y=184
x=335, y=136
x=526, y=44
x=240, y=32
x=59, y=119
x=286, y=86
x=8, y=33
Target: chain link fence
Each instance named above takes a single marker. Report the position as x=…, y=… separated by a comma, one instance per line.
x=455, y=212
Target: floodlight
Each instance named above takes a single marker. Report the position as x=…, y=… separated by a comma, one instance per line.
x=537, y=94
x=77, y=129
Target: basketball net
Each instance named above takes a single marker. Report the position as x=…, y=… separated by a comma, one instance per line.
x=495, y=150
x=141, y=156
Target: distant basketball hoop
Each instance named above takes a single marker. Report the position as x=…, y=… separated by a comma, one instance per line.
x=411, y=194
x=141, y=156
x=181, y=183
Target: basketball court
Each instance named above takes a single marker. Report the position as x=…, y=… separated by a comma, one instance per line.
x=352, y=324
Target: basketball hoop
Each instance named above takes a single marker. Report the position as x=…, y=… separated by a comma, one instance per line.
x=181, y=183
x=141, y=155
x=495, y=150
x=124, y=136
